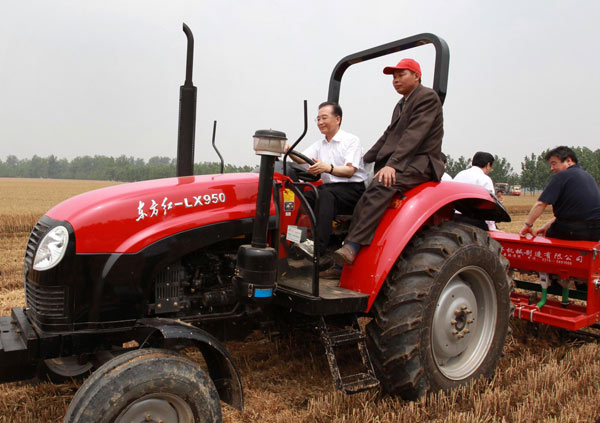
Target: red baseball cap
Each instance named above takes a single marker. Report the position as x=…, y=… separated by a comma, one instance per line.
x=409, y=64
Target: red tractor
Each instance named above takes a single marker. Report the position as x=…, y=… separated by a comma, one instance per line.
x=125, y=281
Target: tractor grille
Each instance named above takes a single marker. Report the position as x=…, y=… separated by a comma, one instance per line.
x=38, y=231
x=46, y=301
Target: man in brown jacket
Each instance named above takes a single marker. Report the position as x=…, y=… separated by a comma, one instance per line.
x=407, y=154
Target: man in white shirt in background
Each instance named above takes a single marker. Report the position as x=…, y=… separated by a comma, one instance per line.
x=477, y=174
x=445, y=176
x=338, y=159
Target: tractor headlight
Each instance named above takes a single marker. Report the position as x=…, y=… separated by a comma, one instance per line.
x=51, y=249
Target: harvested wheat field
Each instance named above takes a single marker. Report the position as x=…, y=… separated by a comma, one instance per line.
x=546, y=375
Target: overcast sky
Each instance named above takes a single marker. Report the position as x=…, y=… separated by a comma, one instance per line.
x=102, y=77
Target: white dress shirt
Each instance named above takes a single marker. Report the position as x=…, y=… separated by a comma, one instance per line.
x=476, y=176
x=343, y=149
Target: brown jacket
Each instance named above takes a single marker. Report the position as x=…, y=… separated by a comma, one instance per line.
x=413, y=137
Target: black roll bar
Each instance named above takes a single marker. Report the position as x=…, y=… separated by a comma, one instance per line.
x=440, y=74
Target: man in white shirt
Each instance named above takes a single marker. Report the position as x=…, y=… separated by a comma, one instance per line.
x=338, y=159
x=445, y=176
x=477, y=174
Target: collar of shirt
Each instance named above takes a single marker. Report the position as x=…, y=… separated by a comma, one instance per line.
x=332, y=152
x=477, y=169
x=406, y=97
x=337, y=134
x=476, y=176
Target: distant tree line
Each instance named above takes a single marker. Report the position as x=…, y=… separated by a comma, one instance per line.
x=122, y=168
x=535, y=171
x=534, y=175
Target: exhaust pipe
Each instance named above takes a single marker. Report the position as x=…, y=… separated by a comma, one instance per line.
x=187, y=114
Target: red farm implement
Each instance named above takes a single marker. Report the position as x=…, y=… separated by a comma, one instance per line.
x=566, y=269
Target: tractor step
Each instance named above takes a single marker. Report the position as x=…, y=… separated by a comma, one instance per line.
x=295, y=294
x=344, y=337
x=354, y=384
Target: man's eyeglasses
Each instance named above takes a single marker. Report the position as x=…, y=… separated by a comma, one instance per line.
x=322, y=118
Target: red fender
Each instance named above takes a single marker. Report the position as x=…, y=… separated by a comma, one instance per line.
x=430, y=203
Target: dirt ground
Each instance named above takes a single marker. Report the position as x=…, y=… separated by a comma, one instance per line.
x=545, y=375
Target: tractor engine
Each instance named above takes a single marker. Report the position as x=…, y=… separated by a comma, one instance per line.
x=198, y=283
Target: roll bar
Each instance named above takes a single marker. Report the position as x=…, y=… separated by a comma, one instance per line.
x=440, y=74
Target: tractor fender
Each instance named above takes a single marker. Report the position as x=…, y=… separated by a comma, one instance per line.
x=178, y=335
x=429, y=203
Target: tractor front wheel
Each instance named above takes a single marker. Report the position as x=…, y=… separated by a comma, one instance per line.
x=442, y=316
x=146, y=385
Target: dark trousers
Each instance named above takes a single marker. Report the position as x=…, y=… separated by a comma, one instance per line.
x=579, y=231
x=374, y=202
x=334, y=198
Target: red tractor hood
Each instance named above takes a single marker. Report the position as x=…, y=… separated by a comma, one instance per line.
x=126, y=218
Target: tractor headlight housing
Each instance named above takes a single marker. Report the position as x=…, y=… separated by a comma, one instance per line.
x=51, y=249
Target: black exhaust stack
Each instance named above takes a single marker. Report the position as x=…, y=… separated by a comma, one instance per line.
x=187, y=114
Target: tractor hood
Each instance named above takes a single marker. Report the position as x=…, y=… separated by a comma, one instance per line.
x=126, y=218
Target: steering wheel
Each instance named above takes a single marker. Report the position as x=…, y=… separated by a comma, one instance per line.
x=300, y=171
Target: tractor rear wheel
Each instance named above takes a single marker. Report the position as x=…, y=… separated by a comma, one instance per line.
x=441, y=318
x=146, y=385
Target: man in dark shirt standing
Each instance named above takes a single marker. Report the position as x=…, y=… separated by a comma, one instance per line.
x=575, y=200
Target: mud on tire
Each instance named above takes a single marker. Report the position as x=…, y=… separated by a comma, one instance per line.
x=441, y=317
x=146, y=385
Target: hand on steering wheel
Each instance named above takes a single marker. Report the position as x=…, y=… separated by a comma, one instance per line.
x=302, y=173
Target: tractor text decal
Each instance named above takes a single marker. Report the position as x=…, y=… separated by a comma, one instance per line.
x=543, y=256
x=154, y=209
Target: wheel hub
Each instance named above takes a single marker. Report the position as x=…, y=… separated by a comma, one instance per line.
x=157, y=408
x=453, y=319
x=463, y=322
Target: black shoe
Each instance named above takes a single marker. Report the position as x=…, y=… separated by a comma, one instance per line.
x=333, y=272
x=325, y=262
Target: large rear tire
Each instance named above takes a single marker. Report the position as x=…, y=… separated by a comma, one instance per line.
x=441, y=318
x=146, y=385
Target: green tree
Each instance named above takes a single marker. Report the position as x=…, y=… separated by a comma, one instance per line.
x=589, y=161
x=535, y=172
x=502, y=171
x=455, y=166
x=528, y=172
x=10, y=167
x=38, y=167
x=122, y=168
